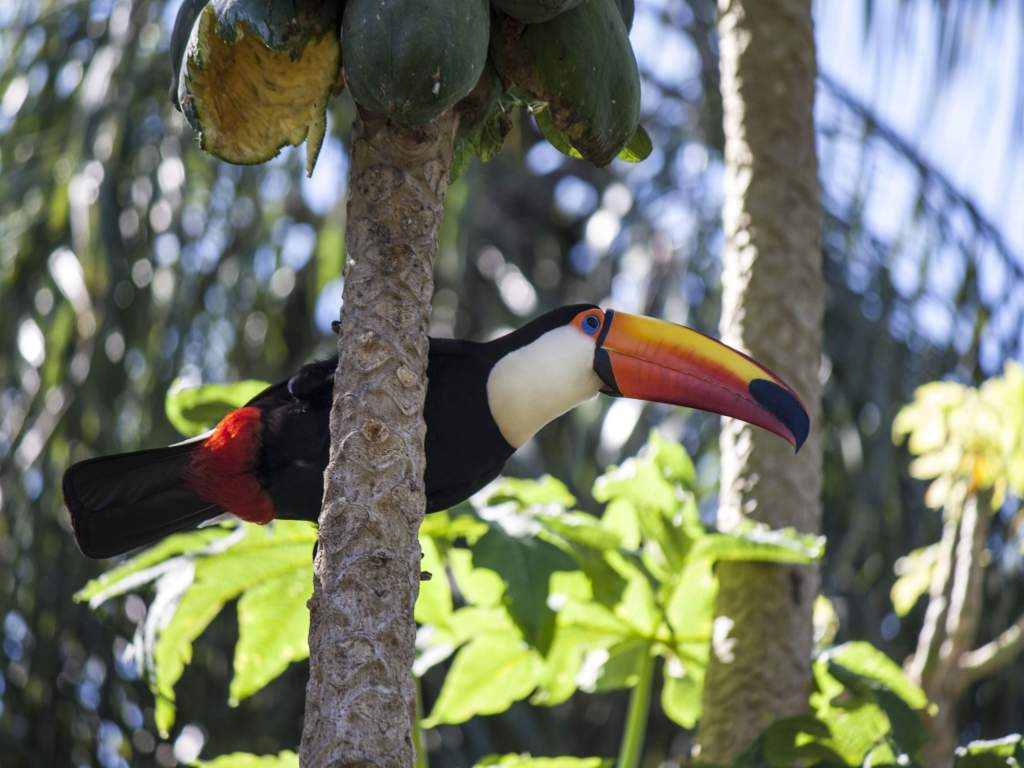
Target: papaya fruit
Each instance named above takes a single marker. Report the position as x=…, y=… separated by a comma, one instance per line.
x=534, y=11
x=582, y=64
x=252, y=76
x=628, y=9
x=413, y=59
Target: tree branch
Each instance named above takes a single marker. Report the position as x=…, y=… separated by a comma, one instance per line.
x=993, y=655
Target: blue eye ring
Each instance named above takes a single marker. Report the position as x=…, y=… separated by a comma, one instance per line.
x=591, y=324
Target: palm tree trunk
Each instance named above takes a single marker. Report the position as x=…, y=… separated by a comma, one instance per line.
x=772, y=307
x=360, y=700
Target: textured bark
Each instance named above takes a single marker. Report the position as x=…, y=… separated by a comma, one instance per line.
x=360, y=700
x=772, y=307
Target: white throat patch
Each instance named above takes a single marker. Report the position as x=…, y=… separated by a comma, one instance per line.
x=539, y=382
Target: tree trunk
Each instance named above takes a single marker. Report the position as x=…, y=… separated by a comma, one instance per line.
x=360, y=701
x=951, y=624
x=772, y=307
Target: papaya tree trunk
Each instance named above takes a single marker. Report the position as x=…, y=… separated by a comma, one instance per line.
x=360, y=700
x=772, y=308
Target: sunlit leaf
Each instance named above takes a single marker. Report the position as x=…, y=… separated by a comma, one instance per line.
x=581, y=528
x=193, y=411
x=621, y=665
x=526, y=565
x=479, y=586
x=789, y=743
x=620, y=517
x=273, y=626
x=546, y=490
x=758, y=542
x=460, y=522
x=144, y=567
x=691, y=606
x=284, y=759
x=681, y=699
x=265, y=553
x=1007, y=752
x=914, y=575
x=434, y=604
x=525, y=761
x=486, y=677
x=864, y=659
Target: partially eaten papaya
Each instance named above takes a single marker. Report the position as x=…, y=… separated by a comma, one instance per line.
x=253, y=77
x=413, y=59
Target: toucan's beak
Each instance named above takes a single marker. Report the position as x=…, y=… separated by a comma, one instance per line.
x=648, y=359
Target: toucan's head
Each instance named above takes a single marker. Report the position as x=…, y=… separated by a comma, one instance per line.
x=572, y=353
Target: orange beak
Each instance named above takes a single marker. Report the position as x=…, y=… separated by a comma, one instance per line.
x=648, y=359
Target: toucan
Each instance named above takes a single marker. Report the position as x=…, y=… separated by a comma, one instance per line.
x=266, y=460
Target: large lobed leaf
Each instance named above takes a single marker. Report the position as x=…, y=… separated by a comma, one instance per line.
x=283, y=759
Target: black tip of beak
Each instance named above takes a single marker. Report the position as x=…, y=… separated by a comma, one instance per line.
x=784, y=406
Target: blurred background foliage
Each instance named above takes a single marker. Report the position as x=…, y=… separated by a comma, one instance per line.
x=131, y=263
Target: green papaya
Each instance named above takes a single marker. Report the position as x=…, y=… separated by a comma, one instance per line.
x=534, y=11
x=413, y=59
x=628, y=9
x=580, y=63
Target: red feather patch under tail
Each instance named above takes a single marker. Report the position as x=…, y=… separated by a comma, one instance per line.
x=222, y=470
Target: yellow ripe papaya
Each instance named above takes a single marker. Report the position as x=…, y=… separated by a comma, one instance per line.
x=534, y=11
x=582, y=64
x=413, y=59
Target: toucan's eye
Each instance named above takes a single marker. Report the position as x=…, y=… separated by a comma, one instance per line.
x=591, y=324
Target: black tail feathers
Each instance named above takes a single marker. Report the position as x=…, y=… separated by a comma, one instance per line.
x=121, y=502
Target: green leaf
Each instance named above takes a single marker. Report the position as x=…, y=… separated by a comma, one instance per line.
x=906, y=728
x=479, y=586
x=273, y=626
x=621, y=518
x=638, y=606
x=865, y=660
x=681, y=694
x=582, y=627
x=638, y=147
x=525, y=761
x=473, y=622
x=526, y=564
x=555, y=137
x=1007, y=752
x=284, y=759
x=459, y=522
x=789, y=743
x=914, y=572
x=528, y=493
x=330, y=254
x=487, y=676
x=434, y=604
x=193, y=411
x=621, y=666
x=581, y=528
x=758, y=542
x=691, y=605
x=640, y=481
x=264, y=553
x=675, y=463
x=145, y=567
